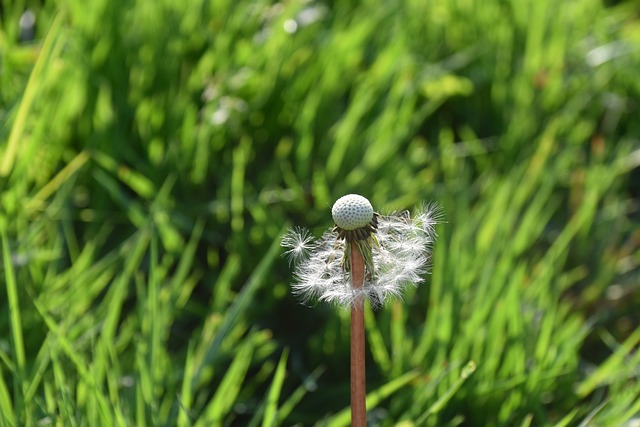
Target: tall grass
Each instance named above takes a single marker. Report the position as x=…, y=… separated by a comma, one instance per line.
x=152, y=153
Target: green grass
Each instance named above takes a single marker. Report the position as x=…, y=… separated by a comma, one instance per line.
x=152, y=153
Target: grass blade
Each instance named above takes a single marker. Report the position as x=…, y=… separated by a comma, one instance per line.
x=441, y=402
x=343, y=418
x=240, y=304
x=29, y=96
x=271, y=411
x=228, y=389
x=16, y=325
x=607, y=371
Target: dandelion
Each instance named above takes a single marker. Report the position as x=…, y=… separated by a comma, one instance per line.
x=396, y=249
x=364, y=256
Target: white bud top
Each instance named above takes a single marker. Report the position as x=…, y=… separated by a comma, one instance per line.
x=352, y=211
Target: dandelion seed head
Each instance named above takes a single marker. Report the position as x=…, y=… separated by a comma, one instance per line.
x=399, y=245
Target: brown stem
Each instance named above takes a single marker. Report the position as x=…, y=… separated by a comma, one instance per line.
x=358, y=383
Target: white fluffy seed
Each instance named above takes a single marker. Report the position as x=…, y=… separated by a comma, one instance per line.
x=352, y=211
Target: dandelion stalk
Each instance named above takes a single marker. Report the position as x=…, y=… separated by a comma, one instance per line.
x=358, y=371
x=365, y=256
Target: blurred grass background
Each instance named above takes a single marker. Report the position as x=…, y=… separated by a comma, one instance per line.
x=153, y=152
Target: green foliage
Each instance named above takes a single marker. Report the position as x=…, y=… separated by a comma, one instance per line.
x=152, y=153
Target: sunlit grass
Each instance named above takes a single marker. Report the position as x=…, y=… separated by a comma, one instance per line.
x=153, y=153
